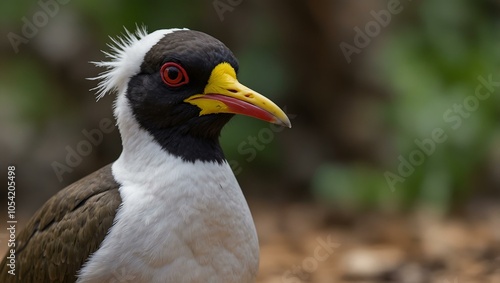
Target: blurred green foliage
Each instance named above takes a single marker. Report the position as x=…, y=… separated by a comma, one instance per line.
x=431, y=61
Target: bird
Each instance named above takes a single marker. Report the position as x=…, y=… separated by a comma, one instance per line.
x=169, y=209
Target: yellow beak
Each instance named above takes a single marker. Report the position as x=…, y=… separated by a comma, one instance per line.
x=224, y=94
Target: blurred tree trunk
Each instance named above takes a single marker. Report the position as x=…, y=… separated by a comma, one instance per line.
x=337, y=105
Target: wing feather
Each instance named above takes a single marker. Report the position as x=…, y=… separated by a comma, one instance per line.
x=65, y=231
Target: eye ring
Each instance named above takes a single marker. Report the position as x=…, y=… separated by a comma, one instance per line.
x=173, y=74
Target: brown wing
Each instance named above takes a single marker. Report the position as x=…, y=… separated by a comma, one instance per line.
x=65, y=231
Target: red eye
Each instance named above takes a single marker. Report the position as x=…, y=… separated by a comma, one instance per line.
x=173, y=74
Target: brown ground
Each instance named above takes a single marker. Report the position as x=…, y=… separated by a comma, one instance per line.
x=418, y=248
x=306, y=243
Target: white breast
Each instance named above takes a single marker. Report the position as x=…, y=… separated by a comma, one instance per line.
x=184, y=222
x=179, y=221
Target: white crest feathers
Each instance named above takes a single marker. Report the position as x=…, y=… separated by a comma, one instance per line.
x=126, y=56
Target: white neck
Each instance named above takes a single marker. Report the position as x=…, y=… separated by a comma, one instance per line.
x=140, y=151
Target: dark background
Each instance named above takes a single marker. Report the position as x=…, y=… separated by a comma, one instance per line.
x=354, y=120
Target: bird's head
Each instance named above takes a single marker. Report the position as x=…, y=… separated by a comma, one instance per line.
x=181, y=86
